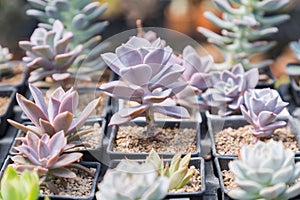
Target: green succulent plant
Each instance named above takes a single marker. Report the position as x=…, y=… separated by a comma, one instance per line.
x=178, y=172
x=5, y=57
x=132, y=181
x=265, y=171
x=244, y=27
x=19, y=187
x=82, y=18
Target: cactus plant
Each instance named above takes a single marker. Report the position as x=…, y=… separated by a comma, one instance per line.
x=131, y=180
x=19, y=187
x=226, y=95
x=59, y=115
x=265, y=171
x=82, y=18
x=147, y=79
x=260, y=109
x=178, y=172
x=243, y=25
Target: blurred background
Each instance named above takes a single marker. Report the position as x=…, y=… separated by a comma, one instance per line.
x=180, y=15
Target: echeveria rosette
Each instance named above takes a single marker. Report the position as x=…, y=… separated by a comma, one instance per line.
x=48, y=56
x=260, y=109
x=45, y=155
x=131, y=180
x=265, y=171
x=196, y=75
x=147, y=78
x=59, y=114
x=226, y=95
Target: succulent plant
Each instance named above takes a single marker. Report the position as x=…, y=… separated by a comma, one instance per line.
x=147, y=78
x=48, y=56
x=131, y=180
x=59, y=115
x=178, y=172
x=45, y=155
x=226, y=95
x=196, y=75
x=19, y=187
x=82, y=18
x=261, y=108
x=295, y=46
x=5, y=57
x=265, y=171
x=244, y=24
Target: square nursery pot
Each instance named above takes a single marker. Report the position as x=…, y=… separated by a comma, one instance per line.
x=20, y=73
x=197, y=162
x=87, y=94
x=293, y=70
x=142, y=155
x=7, y=100
x=222, y=164
x=96, y=165
x=266, y=78
x=217, y=123
x=89, y=154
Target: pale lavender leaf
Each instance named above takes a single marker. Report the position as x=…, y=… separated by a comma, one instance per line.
x=266, y=117
x=138, y=74
x=172, y=111
x=62, y=122
x=43, y=150
x=67, y=159
x=62, y=172
x=129, y=56
x=113, y=62
x=32, y=111
x=38, y=98
x=69, y=103
x=133, y=111
x=88, y=110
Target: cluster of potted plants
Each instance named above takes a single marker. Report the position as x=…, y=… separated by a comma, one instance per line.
x=160, y=99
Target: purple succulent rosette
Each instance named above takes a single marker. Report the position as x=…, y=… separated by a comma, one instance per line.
x=48, y=55
x=58, y=115
x=147, y=78
x=45, y=155
x=226, y=93
x=260, y=109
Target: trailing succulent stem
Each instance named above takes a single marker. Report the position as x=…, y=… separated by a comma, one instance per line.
x=244, y=27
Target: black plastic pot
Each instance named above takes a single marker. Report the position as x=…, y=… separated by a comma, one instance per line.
x=95, y=165
x=94, y=154
x=197, y=162
x=265, y=71
x=106, y=101
x=222, y=164
x=8, y=112
x=142, y=155
x=294, y=81
x=20, y=87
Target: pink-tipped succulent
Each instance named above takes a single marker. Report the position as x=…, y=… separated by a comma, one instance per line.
x=260, y=109
x=226, y=95
x=58, y=115
x=48, y=56
x=147, y=78
x=45, y=155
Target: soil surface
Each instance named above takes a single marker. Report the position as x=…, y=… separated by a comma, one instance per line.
x=4, y=102
x=229, y=140
x=132, y=139
x=15, y=78
x=80, y=186
x=228, y=179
